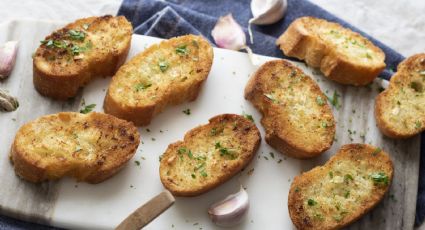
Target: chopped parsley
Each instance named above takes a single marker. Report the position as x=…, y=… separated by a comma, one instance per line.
x=311, y=202
x=418, y=124
x=186, y=111
x=376, y=151
x=334, y=100
x=182, y=50
x=347, y=194
x=87, y=108
x=193, y=176
x=368, y=56
x=204, y=174
x=331, y=174
x=224, y=151
x=320, y=101
x=380, y=178
x=76, y=35
x=248, y=116
x=272, y=154
x=137, y=163
x=213, y=131
x=163, y=66
x=141, y=86
x=293, y=73
x=348, y=178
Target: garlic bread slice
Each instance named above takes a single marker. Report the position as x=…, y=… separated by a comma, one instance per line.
x=168, y=73
x=89, y=147
x=72, y=56
x=400, y=109
x=340, y=192
x=341, y=54
x=296, y=116
x=209, y=155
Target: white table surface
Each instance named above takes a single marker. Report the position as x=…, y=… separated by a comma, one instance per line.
x=399, y=24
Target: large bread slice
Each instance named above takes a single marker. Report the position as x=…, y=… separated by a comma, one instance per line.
x=168, y=73
x=209, y=155
x=400, y=109
x=341, y=54
x=89, y=147
x=296, y=116
x=338, y=193
x=70, y=57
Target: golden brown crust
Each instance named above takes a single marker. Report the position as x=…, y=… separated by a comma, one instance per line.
x=340, y=192
x=297, y=119
x=90, y=148
x=179, y=80
x=209, y=155
x=341, y=54
x=400, y=109
x=98, y=47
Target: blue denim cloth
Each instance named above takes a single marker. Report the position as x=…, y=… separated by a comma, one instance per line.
x=166, y=19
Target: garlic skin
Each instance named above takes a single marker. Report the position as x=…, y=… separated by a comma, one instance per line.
x=267, y=12
x=8, y=53
x=7, y=102
x=230, y=211
x=228, y=34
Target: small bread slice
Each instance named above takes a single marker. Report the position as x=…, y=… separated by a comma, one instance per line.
x=296, y=116
x=70, y=57
x=168, y=73
x=209, y=155
x=89, y=147
x=400, y=109
x=341, y=54
x=338, y=193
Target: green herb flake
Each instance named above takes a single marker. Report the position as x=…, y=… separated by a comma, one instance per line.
x=348, y=178
x=347, y=194
x=248, y=116
x=163, y=66
x=213, y=131
x=182, y=50
x=320, y=101
x=324, y=124
x=272, y=154
x=380, y=178
x=76, y=35
x=87, y=108
x=331, y=174
x=376, y=151
x=368, y=56
x=137, y=163
x=193, y=176
x=334, y=100
x=418, y=124
x=141, y=86
x=195, y=43
x=204, y=174
x=311, y=202
x=186, y=111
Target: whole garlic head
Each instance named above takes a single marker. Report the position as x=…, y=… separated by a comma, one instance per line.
x=230, y=211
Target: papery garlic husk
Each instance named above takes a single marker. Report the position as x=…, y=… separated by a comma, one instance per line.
x=7, y=102
x=228, y=34
x=230, y=211
x=266, y=12
x=8, y=53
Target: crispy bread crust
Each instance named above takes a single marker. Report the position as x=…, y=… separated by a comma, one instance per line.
x=60, y=79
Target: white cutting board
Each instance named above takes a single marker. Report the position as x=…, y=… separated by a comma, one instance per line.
x=79, y=205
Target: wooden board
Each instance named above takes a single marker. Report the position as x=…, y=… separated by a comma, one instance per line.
x=78, y=205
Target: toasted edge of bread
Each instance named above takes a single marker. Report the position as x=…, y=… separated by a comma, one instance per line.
x=409, y=79
x=279, y=133
x=60, y=72
x=31, y=166
x=218, y=165
x=301, y=42
x=143, y=111
x=299, y=202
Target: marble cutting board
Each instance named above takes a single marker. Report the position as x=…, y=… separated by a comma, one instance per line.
x=69, y=204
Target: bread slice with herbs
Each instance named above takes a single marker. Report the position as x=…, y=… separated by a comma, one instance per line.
x=89, y=147
x=400, y=109
x=296, y=116
x=72, y=56
x=168, y=73
x=342, y=55
x=209, y=155
x=340, y=192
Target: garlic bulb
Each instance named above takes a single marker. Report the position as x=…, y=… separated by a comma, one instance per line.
x=8, y=53
x=7, y=102
x=231, y=210
x=266, y=12
x=228, y=34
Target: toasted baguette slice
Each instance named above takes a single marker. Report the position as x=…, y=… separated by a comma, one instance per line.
x=296, y=116
x=89, y=147
x=341, y=54
x=338, y=193
x=209, y=155
x=168, y=73
x=70, y=57
x=400, y=109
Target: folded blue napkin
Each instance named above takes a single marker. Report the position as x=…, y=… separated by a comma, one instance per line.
x=166, y=19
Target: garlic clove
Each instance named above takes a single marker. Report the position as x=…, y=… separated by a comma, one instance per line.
x=7, y=102
x=267, y=12
x=8, y=52
x=230, y=211
x=228, y=34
